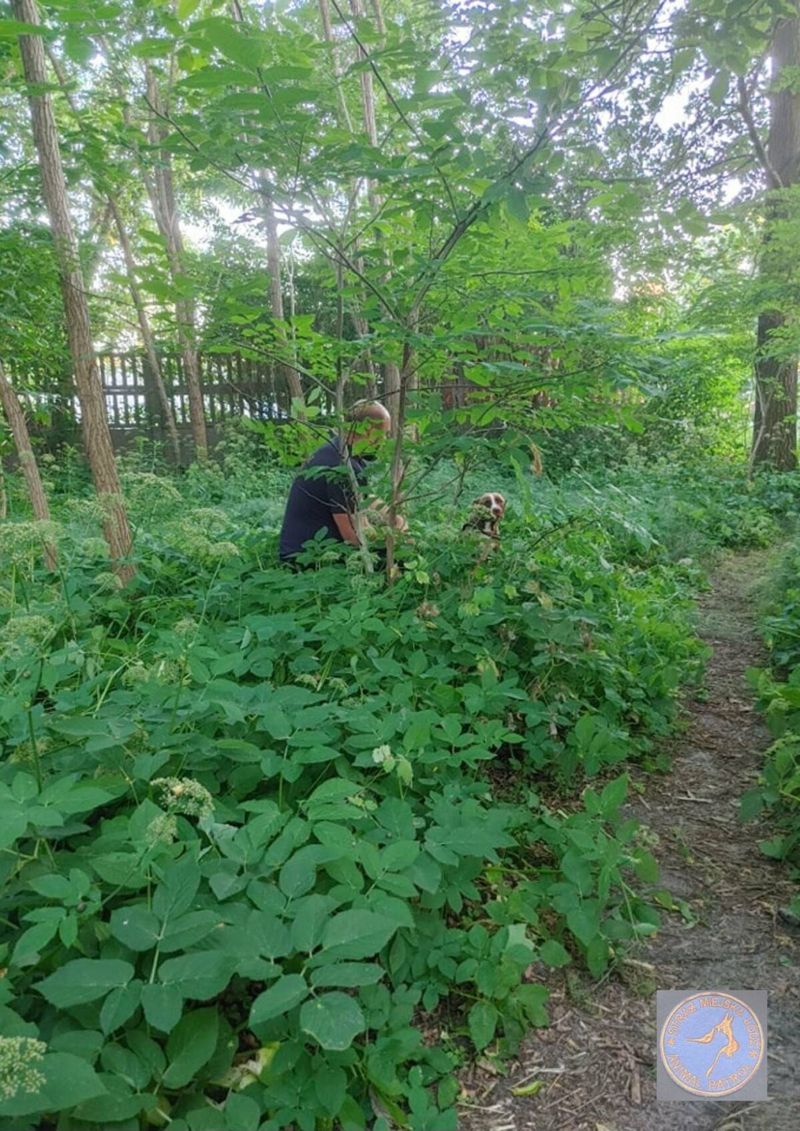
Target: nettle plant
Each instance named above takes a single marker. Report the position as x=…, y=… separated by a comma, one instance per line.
x=255, y=872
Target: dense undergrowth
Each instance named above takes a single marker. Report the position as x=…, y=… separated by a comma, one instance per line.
x=778, y=688
x=279, y=850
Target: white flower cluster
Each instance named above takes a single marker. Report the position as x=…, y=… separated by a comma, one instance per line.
x=94, y=547
x=23, y=634
x=185, y=795
x=146, y=491
x=332, y=683
x=163, y=829
x=382, y=756
x=19, y=540
x=107, y=581
x=19, y=1057
x=162, y=671
x=185, y=626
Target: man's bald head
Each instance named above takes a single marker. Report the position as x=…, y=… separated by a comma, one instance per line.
x=368, y=424
x=368, y=410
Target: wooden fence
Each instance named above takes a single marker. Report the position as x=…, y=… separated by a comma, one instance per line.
x=232, y=386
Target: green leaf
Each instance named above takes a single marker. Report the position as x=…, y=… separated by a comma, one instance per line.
x=162, y=1006
x=186, y=8
x=242, y=1113
x=199, y=975
x=186, y=930
x=311, y=915
x=69, y=1080
x=533, y=1000
x=517, y=205
x=554, y=954
x=243, y=48
x=13, y=822
x=719, y=87
x=118, y=1105
x=84, y=979
x=613, y=795
x=399, y=855
x=120, y=1006
x=348, y=974
x=333, y=1020
x=646, y=867
x=135, y=927
x=597, y=956
x=175, y=894
x=482, y=1023
x=191, y=1045
x=357, y=934
x=330, y=1084
x=751, y=804
x=583, y=924
x=774, y=848
x=10, y=29
x=284, y=995
x=30, y=942
x=299, y=874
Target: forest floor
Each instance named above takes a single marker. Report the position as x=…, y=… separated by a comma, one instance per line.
x=597, y=1058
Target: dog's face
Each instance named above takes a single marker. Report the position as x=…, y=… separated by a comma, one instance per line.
x=487, y=511
x=493, y=502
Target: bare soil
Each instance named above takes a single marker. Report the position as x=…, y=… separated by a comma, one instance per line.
x=597, y=1058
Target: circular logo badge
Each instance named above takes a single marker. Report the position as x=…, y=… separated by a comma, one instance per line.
x=712, y=1044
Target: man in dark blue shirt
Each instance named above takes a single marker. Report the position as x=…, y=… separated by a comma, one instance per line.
x=323, y=496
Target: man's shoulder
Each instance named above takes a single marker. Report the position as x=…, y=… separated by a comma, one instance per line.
x=327, y=455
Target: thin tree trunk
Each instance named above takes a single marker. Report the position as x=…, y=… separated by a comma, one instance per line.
x=94, y=421
x=360, y=323
x=391, y=371
x=162, y=197
x=289, y=375
x=327, y=31
x=101, y=228
x=27, y=461
x=112, y=214
x=146, y=331
x=775, y=416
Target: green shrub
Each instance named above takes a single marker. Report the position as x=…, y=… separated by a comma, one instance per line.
x=262, y=831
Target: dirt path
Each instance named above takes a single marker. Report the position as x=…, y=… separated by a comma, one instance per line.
x=598, y=1056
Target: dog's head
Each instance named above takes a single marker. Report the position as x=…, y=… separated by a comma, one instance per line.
x=485, y=514
x=493, y=502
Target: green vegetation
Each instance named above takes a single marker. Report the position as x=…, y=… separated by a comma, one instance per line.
x=778, y=688
x=284, y=851
x=263, y=832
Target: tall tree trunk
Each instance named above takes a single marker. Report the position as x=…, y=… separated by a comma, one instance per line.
x=27, y=461
x=161, y=188
x=97, y=437
x=774, y=420
x=146, y=331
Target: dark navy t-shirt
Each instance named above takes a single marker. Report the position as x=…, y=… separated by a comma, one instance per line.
x=315, y=497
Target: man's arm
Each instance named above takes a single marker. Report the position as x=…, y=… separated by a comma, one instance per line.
x=344, y=524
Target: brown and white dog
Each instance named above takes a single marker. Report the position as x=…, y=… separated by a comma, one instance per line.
x=486, y=514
